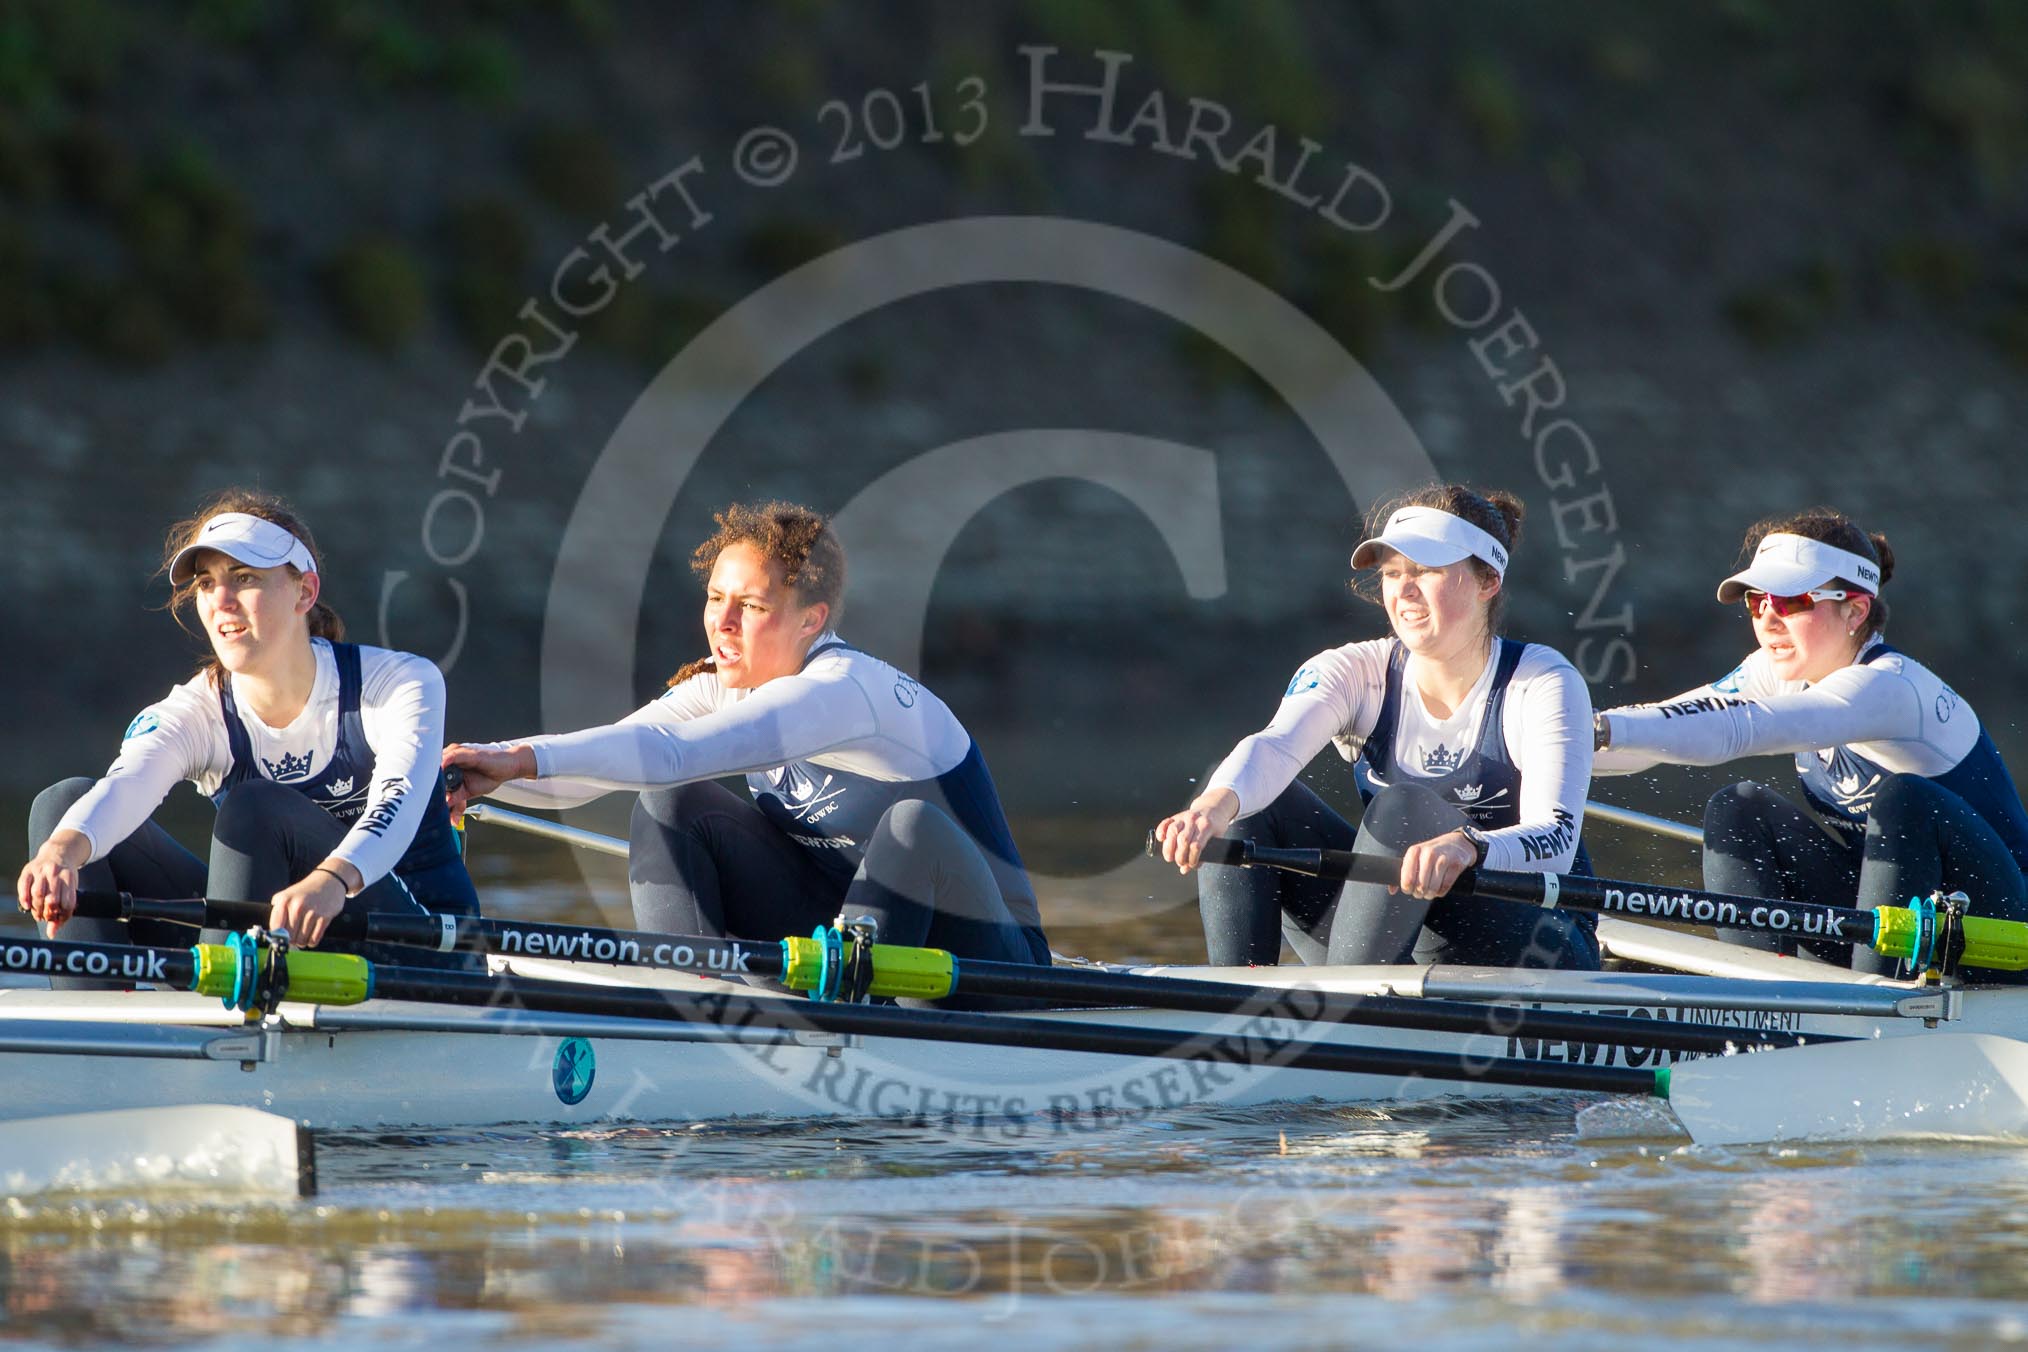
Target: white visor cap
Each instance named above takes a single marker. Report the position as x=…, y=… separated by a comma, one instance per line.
x=254, y=541
x=1789, y=565
x=1433, y=539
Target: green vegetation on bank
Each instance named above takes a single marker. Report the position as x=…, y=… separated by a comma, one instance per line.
x=141, y=148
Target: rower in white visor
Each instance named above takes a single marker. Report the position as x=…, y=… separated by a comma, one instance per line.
x=321, y=756
x=1903, y=792
x=1469, y=749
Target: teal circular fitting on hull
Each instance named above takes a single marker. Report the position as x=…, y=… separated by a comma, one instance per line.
x=573, y=1070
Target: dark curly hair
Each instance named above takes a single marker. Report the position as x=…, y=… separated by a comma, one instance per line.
x=794, y=538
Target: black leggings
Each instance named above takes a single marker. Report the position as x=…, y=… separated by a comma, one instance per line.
x=1338, y=923
x=1919, y=838
x=704, y=860
x=267, y=836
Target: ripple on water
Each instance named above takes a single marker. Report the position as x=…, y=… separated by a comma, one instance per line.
x=1453, y=1224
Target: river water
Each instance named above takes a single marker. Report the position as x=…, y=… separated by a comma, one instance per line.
x=1455, y=1224
x=1443, y=1226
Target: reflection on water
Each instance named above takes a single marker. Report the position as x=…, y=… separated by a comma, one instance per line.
x=1444, y=1226
x=1449, y=1209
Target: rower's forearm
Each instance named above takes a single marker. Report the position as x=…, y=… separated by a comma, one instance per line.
x=346, y=871
x=1220, y=804
x=554, y=793
x=72, y=849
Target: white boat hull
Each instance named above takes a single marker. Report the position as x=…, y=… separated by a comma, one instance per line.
x=444, y=1067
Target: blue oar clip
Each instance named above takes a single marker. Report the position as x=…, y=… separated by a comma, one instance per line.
x=1924, y=909
x=831, y=954
x=246, y=966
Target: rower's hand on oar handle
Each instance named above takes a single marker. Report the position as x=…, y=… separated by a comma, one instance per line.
x=47, y=887
x=1180, y=839
x=1430, y=868
x=306, y=907
x=480, y=770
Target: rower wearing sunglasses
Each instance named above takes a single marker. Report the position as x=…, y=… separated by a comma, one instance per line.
x=1905, y=792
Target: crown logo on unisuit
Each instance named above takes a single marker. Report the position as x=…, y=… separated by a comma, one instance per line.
x=290, y=767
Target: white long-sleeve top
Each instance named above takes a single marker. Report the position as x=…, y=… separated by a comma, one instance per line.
x=846, y=710
x=183, y=737
x=1885, y=706
x=1336, y=698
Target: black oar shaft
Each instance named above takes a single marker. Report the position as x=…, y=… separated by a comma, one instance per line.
x=690, y=953
x=511, y=938
x=577, y=943
x=108, y=962
x=1251, y=1044
x=1077, y=986
x=1802, y=919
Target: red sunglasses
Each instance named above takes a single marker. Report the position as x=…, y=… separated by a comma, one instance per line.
x=1786, y=606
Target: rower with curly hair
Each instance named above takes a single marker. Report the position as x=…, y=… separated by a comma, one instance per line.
x=866, y=792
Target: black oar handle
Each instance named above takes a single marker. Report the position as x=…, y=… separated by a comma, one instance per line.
x=201, y=912
x=1337, y=865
